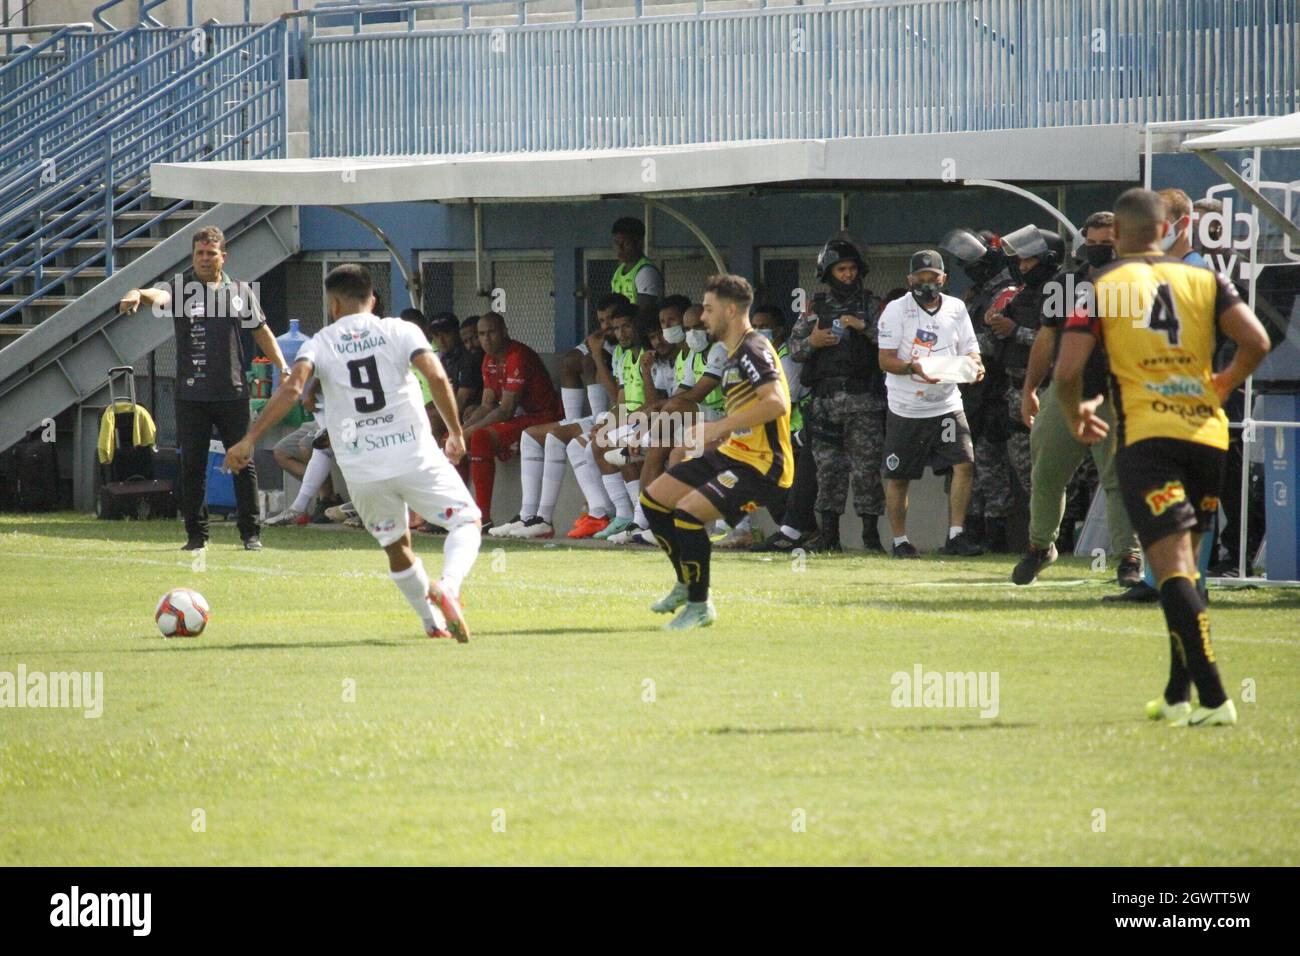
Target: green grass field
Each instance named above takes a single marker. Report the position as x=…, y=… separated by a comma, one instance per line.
x=572, y=730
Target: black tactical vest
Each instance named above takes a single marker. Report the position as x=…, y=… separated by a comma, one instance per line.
x=856, y=357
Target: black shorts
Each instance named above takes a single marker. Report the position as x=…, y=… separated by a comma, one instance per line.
x=1169, y=485
x=913, y=443
x=733, y=487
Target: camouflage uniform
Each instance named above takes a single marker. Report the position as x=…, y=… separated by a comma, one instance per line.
x=992, y=494
x=848, y=440
x=847, y=426
x=1022, y=464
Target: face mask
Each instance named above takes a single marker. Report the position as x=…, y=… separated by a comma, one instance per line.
x=674, y=335
x=1171, y=237
x=769, y=334
x=1098, y=255
x=925, y=291
x=697, y=339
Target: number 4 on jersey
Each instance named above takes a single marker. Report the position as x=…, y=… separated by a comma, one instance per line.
x=1163, y=317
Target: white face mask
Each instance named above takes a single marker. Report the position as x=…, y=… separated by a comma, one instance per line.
x=769, y=334
x=697, y=339
x=674, y=334
x=1171, y=236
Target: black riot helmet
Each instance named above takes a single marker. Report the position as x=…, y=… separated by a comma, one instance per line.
x=1042, y=244
x=980, y=253
x=837, y=250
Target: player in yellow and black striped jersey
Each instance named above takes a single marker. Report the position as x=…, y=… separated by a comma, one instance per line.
x=1158, y=319
x=750, y=465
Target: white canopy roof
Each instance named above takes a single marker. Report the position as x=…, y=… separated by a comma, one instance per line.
x=1279, y=132
x=1065, y=154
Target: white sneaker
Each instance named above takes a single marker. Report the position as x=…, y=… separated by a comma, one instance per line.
x=287, y=516
x=1225, y=715
x=533, y=528
x=626, y=536
x=736, y=538
x=620, y=457
x=647, y=537
x=340, y=514
x=506, y=530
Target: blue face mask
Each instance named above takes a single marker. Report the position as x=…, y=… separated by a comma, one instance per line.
x=769, y=334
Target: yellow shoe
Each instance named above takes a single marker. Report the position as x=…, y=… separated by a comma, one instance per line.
x=1160, y=709
x=1225, y=715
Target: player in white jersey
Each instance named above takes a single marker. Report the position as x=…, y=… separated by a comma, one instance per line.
x=380, y=435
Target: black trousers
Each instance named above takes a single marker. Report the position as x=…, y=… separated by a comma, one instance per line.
x=800, y=512
x=194, y=423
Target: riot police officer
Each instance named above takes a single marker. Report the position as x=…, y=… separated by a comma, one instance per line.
x=990, y=271
x=1039, y=253
x=836, y=342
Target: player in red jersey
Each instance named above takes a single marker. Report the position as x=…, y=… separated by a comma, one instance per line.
x=517, y=393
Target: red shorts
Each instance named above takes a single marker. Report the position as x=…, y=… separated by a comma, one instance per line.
x=508, y=433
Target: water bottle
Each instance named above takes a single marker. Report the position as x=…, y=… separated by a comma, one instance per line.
x=290, y=343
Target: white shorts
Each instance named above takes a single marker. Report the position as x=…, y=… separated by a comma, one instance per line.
x=436, y=492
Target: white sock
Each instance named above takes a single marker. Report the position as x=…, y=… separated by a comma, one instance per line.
x=899, y=540
x=638, y=513
x=794, y=534
x=598, y=399
x=414, y=585
x=953, y=531
x=553, y=470
x=617, y=491
x=574, y=399
x=531, y=459
x=584, y=469
x=459, y=553
x=742, y=525
x=318, y=469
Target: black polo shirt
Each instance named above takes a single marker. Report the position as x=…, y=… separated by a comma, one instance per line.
x=1096, y=371
x=210, y=357
x=469, y=372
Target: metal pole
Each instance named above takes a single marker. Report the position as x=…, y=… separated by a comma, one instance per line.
x=478, y=247
x=109, y=237
x=410, y=278
x=699, y=234
x=1248, y=433
x=1037, y=200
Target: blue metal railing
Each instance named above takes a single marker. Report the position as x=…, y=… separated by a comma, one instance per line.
x=823, y=71
x=226, y=102
x=24, y=69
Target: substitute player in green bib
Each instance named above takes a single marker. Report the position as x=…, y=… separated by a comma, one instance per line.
x=636, y=278
x=747, y=470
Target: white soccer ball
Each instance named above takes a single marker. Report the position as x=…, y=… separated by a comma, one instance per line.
x=182, y=613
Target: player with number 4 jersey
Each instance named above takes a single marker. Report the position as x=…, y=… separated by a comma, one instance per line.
x=1158, y=319
x=380, y=434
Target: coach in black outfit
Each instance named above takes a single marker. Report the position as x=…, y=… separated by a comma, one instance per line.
x=210, y=386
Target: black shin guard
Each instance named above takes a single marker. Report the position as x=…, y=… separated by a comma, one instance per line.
x=694, y=550
x=1189, y=631
x=661, y=525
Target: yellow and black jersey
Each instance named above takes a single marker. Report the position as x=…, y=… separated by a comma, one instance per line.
x=766, y=447
x=1158, y=318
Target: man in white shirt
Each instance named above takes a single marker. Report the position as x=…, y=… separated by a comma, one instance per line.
x=926, y=424
x=379, y=432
